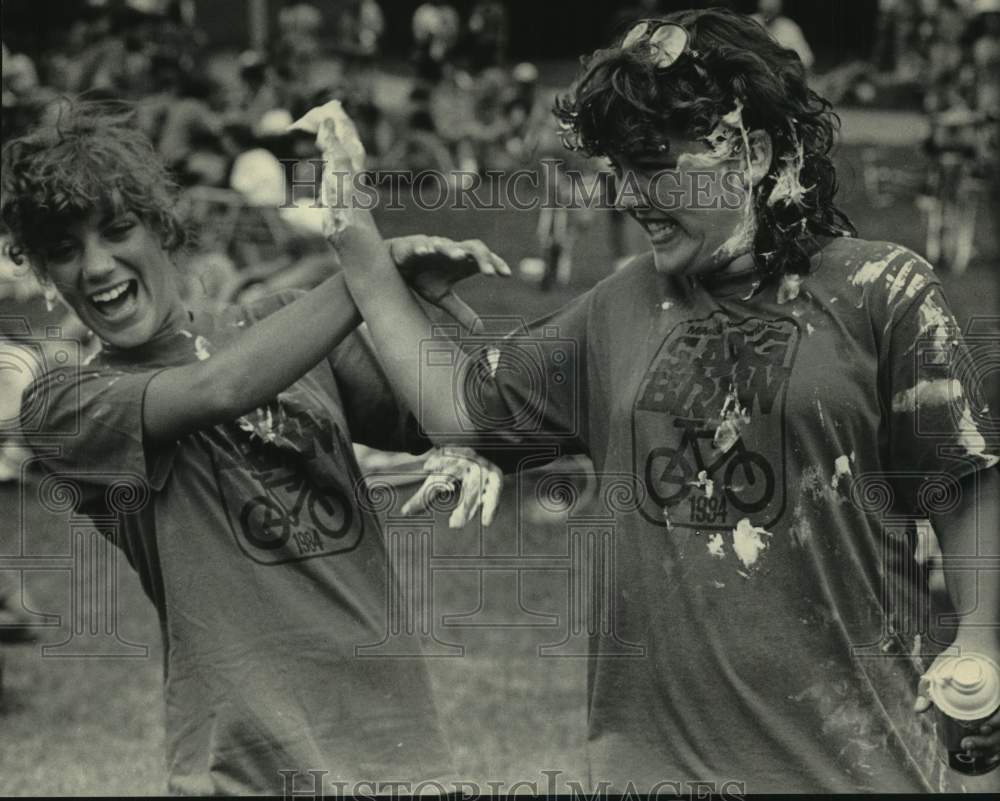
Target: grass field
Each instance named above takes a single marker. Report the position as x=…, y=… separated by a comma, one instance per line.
x=93, y=725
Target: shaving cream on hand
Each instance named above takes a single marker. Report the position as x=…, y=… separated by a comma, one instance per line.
x=343, y=157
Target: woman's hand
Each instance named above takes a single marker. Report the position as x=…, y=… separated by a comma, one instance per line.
x=343, y=159
x=478, y=480
x=431, y=265
x=986, y=741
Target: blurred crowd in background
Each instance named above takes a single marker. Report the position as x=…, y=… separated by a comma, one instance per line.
x=220, y=119
x=937, y=55
x=202, y=108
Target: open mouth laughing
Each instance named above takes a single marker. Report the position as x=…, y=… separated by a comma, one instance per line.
x=659, y=228
x=115, y=303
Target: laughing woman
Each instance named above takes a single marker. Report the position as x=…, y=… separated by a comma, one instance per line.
x=267, y=573
x=784, y=397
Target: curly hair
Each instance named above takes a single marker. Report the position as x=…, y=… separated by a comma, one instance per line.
x=83, y=157
x=623, y=103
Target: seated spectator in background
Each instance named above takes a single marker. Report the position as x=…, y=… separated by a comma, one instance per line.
x=259, y=176
x=949, y=82
x=908, y=62
x=945, y=46
x=298, y=27
x=182, y=125
x=436, y=30
x=884, y=51
x=986, y=54
x=785, y=31
x=487, y=35
x=297, y=45
x=22, y=93
x=525, y=112
x=18, y=74
x=257, y=92
x=361, y=26
x=360, y=29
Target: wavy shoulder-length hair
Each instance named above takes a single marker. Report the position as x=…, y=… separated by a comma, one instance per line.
x=624, y=103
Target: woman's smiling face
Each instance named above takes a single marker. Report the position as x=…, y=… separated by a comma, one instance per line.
x=111, y=268
x=692, y=201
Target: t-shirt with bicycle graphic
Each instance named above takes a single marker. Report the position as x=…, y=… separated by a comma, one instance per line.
x=268, y=570
x=779, y=439
x=710, y=372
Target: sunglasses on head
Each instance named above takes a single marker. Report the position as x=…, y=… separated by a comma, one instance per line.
x=668, y=41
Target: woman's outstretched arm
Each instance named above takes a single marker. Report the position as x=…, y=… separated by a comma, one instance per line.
x=280, y=349
x=396, y=320
x=253, y=368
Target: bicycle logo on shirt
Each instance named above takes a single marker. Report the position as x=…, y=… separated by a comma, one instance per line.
x=291, y=509
x=745, y=478
x=708, y=433
x=284, y=507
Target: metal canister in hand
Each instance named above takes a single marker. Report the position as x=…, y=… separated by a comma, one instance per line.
x=965, y=691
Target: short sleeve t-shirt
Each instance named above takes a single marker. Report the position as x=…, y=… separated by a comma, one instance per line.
x=769, y=618
x=267, y=569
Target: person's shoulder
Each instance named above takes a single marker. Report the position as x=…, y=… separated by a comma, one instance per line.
x=79, y=367
x=635, y=274
x=862, y=261
x=58, y=391
x=626, y=286
x=876, y=274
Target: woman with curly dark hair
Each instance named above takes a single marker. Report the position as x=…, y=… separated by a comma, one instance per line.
x=781, y=398
x=268, y=571
x=750, y=109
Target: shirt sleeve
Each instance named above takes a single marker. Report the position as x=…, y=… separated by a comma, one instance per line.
x=87, y=424
x=527, y=394
x=933, y=391
x=376, y=416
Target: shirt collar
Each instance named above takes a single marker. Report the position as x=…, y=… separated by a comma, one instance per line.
x=180, y=345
